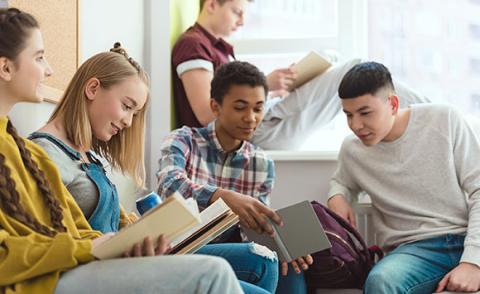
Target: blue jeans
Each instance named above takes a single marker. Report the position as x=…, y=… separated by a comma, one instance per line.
x=292, y=283
x=255, y=267
x=416, y=267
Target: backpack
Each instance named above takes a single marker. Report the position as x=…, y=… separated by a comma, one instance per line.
x=347, y=263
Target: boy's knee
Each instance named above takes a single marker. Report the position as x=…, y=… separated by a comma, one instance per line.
x=380, y=280
x=263, y=253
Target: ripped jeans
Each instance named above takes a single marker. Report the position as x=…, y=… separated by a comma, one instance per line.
x=255, y=266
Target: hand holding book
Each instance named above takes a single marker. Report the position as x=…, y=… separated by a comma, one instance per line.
x=299, y=264
x=280, y=80
x=301, y=235
x=253, y=214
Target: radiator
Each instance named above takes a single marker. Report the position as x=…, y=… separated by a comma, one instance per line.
x=363, y=212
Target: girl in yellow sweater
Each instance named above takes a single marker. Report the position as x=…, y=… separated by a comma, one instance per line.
x=45, y=241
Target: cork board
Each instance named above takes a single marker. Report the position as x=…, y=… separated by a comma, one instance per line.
x=59, y=23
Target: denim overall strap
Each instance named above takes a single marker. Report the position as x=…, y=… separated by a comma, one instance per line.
x=72, y=153
x=106, y=216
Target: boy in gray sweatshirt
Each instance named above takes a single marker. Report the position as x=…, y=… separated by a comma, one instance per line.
x=421, y=168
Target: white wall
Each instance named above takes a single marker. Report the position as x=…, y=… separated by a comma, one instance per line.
x=105, y=22
x=301, y=176
x=157, y=52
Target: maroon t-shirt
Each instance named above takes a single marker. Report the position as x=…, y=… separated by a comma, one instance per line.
x=194, y=44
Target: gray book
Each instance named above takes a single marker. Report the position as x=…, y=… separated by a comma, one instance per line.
x=301, y=234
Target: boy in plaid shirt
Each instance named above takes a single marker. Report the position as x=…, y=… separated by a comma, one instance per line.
x=218, y=161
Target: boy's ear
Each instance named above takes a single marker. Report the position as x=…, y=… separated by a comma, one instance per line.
x=91, y=88
x=209, y=5
x=6, y=69
x=395, y=104
x=215, y=107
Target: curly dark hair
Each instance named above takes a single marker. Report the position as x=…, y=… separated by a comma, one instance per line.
x=236, y=73
x=365, y=78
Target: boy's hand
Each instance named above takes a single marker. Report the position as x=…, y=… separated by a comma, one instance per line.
x=253, y=214
x=340, y=206
x=281, y=79
x=463, y=278
x=298, y=265
x=148, y=248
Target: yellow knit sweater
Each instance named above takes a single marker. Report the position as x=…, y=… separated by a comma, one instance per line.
x=31, y=262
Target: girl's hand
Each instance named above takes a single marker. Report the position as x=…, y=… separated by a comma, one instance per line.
x=148, y=248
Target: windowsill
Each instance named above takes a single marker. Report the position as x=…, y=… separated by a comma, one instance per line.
x=295, y=155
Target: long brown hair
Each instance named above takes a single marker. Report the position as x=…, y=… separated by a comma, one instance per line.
x=124, y=150
x=15, y=28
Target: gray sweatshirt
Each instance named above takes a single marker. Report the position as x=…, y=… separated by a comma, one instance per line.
x=422, y=185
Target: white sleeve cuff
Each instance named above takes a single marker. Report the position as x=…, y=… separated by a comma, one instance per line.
x=471, y=254
x=194, y=64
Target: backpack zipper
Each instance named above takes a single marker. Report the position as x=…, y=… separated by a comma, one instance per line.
x=352, y=251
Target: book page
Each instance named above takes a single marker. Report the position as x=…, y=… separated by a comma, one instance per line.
x=216, y=210
x=207, y=233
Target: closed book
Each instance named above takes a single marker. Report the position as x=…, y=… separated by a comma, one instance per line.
x=301, y=234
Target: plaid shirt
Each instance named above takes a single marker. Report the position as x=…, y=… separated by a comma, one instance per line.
x=194, y=164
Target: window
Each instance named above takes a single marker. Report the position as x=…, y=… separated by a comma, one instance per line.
x=439, y=47
x=279, y=32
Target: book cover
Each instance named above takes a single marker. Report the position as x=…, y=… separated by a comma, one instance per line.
x=312, y=65
x=301, y=234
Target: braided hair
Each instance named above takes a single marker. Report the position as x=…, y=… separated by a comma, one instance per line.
x=15, y=27
x=10, y=198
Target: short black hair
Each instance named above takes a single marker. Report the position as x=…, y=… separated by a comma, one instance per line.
x=365, y=78
x=236, y=73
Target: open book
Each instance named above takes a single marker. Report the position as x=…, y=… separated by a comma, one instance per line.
x=215, y=220
x=178, y=220
x=302, y=233
x=309, y=67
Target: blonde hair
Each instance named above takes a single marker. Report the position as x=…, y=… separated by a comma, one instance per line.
x=124, y=151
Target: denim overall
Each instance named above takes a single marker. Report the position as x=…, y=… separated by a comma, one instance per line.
x=106, y=216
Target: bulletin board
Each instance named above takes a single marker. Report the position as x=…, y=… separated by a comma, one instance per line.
x=59, y=23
